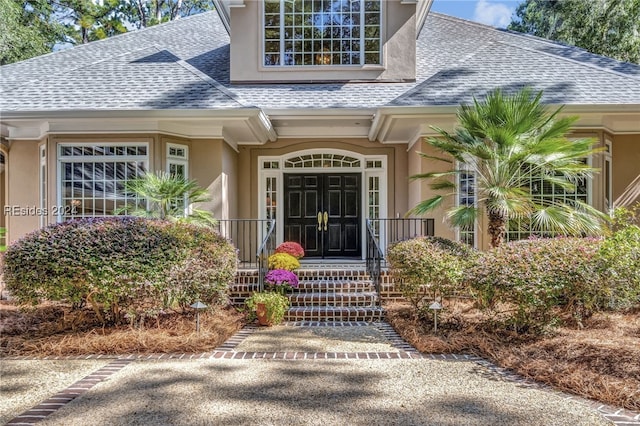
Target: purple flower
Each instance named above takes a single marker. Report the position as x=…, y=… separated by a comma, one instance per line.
x=281, y=277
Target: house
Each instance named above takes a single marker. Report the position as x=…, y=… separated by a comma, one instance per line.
x=306, y=112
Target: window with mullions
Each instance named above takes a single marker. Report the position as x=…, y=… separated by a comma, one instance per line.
x=93, y=178
x=546, y=193
x=322, y=32
x=467, y=197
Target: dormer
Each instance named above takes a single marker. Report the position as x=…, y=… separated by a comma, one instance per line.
x=322, y=40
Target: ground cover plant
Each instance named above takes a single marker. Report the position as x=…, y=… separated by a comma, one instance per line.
x=54, y=329
x=597, y=361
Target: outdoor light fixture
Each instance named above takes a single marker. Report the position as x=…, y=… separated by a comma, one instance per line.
x=198, y=306
x=435, y=307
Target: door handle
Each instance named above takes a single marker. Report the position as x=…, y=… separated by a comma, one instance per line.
x=326, y=219
x=319, y=221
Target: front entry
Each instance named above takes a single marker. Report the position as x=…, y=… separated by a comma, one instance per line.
x=322, y=213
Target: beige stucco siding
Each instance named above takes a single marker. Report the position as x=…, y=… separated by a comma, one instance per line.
x=22, y=188
x=215, y=167
x=398, y=39
x=626, y=163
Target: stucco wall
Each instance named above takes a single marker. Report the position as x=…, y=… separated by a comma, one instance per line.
x=626, y=162
x=398, y=36
x=22, y=188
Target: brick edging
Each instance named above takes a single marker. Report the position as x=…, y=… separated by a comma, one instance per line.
x=62, y=398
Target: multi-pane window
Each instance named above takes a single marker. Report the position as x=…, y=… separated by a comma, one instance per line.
x=546, y=193
x=467, y=197
x=373, y=202
x=93, y=177
x=322, y=32
x=322, y=160
x=271, y=197
x=178, y=165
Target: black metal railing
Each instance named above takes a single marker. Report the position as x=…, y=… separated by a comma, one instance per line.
x=265, y=250
x=375, y=255
x=383, y=232
x=248, y=236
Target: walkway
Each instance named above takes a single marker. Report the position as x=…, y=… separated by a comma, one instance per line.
x=355, y=373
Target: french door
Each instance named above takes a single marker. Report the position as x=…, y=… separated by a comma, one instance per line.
x=322, y=213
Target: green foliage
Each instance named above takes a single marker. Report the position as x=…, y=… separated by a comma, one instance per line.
x=505, y=141
x=620, y=260
x=283, y=261
x=524, y=281
x=167, y=195
x=3, y=233
x=606, y=27
x=28, y=30
x=427, y=268
x=120, y=265
x=276, y=305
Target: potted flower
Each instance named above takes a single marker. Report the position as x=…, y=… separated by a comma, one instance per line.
x=283, y=261
x=268, y=306
x=281, y=280
x=292, y=248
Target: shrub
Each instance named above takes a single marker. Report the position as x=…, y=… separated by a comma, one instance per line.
x=426, y=268
x=283, y=261
x=528, y=279
x=620, y=261
x=292, y=248
x=120, y=265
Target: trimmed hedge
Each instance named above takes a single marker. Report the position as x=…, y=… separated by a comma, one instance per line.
x=121, y=266
x=426, y=268
x=529, y=278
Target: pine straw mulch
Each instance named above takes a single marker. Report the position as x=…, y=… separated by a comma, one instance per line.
x=600, y=361
x=56, y=330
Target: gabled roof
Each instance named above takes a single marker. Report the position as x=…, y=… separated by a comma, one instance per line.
x=184, y=64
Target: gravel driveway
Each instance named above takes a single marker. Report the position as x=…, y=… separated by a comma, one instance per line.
x=358, y=392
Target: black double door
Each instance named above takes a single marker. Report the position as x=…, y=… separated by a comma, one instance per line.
x=322, y=213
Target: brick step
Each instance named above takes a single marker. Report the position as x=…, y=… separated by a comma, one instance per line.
x=336, y=299
x=305, y=286
x=307, y=313
x=318, y=274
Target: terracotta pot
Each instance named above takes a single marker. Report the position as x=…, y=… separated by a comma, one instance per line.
x=261, y=313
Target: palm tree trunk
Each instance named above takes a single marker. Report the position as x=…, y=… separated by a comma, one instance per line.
x=497, y=227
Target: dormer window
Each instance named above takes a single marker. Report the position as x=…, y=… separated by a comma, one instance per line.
x=322, y=32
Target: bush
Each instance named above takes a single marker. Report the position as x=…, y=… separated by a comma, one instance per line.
x=121, y=265
x=529, y=278
x=620, y=261
x=283, y=261
x=426, y=268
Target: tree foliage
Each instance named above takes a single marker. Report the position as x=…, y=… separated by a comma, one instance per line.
x=606, y=27
x=506, y=142
x=34, y=27
x=27, y=29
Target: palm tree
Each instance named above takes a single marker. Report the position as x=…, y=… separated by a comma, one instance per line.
x=505, y=142
x=167, y=195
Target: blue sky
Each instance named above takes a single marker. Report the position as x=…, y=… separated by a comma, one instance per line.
x=496, y=13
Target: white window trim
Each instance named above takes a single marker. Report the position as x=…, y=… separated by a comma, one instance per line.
x=475, y=203
x=608, y=158
x=43, y=184
x=61, y=159
x=296, y=68
x=181, y=161
x=365, y=174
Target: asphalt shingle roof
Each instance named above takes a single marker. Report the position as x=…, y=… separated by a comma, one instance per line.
x=171, y=66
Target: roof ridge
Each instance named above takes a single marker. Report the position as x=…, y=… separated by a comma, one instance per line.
x=589, y=65
x=209, y=80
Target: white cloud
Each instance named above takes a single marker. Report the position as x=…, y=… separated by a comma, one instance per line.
x=494, y=14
